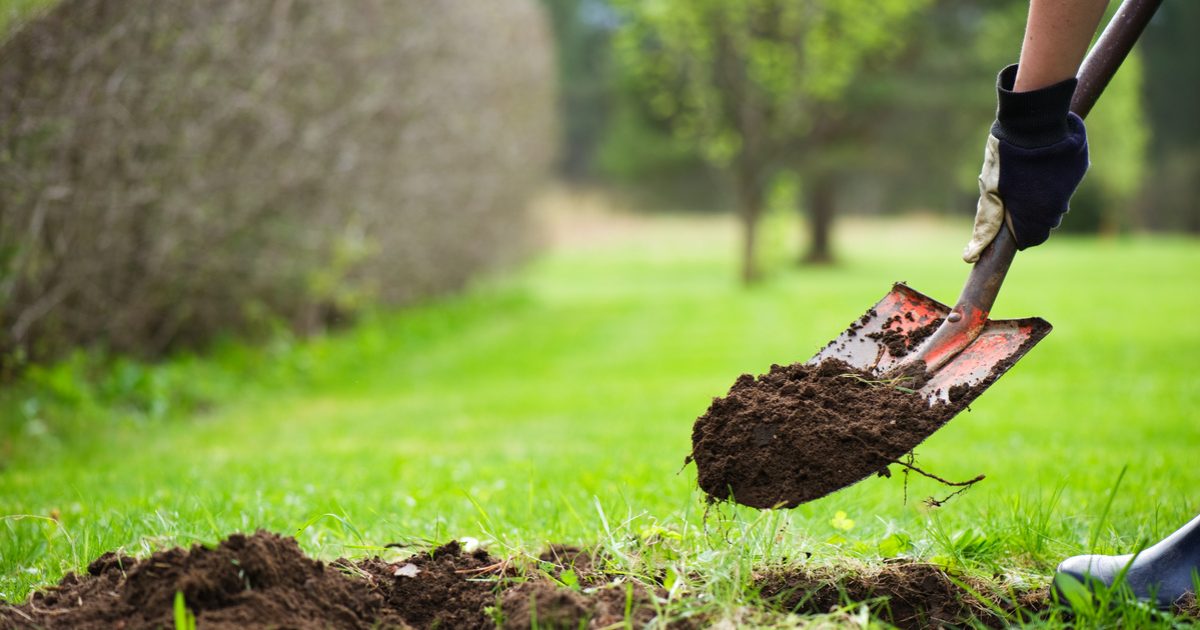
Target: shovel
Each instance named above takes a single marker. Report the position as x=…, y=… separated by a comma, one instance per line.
x=752, y=448
x=963, y=351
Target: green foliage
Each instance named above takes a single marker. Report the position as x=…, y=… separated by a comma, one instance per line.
x=759, y=85
x=1171, y=53
x=635, y=148
x=783, y=196
x=1118, y=136
x=1095, y=606
x=184, y=619
x=586, y=80
x=719, y=71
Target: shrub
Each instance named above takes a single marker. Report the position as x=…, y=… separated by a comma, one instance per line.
x=171, y=170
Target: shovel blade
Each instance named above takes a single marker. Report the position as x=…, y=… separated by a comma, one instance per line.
x=894, y=327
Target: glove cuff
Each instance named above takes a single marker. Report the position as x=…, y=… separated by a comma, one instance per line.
x=1033, y=119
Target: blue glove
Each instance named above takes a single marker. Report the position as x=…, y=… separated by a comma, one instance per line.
x=1034, y=160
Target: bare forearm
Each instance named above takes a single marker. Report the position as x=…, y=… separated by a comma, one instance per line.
x=1056, y=39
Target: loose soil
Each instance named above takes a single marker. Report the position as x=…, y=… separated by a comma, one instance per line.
x=265, y=581
x=899, y=343
x=802, y=431
x=903, y=594
x=544, y=605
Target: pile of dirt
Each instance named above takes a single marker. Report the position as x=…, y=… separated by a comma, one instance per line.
x=587, y=566
x=445, y=588
x=802, y=431
x=242, y=581
x=265, y=581
x=538, y=604
x=905, y=594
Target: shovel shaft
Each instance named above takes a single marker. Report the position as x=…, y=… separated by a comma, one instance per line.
x=970, y=313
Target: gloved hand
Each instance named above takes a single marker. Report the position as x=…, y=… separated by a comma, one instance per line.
x=1035, y=157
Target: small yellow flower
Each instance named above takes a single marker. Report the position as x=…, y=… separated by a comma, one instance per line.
x=839, y=521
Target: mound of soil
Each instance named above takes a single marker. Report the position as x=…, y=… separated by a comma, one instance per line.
x=800, y=432
x=587, y=566
x=540, y=604
x=265, y=581
x=906, y=595
x=597, y=601
x=445, y=588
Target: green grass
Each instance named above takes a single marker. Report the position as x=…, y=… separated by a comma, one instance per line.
x=556, y=406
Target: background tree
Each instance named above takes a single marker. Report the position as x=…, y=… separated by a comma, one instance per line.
x=756, y=84
x=906, y=133
x=1172, y=98
x=933, y=105
x=583, y=32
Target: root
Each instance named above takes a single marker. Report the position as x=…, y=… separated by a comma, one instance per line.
x=962, y=486
x=499, y=567
x=894, y=382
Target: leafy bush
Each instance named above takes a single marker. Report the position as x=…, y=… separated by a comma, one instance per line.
x=170, y=170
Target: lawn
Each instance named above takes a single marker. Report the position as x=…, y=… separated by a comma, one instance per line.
x=555, y=404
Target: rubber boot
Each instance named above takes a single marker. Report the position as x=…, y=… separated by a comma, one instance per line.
x=1164, y=572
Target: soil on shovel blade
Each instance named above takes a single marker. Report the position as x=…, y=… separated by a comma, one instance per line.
x=800, y=432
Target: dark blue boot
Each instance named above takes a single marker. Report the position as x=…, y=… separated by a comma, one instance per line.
x=1164, y=572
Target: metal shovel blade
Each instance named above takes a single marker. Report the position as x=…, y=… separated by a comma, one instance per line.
x=892, y=329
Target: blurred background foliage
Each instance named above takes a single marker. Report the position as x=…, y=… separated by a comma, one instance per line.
x=897, y=122
x=172, y=173
x=762, y=86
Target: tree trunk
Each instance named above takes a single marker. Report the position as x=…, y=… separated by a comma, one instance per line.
x=821, y=194
x=750, y=203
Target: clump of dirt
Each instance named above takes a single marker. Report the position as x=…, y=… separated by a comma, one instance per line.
x=539, y=604
x=1186, y=606
x=265, y=581
x=906, y=595
x=445, y=588
x=900, y=342
x=243, y=580
x=587, y=566
x=593, y=598
x=802, y=431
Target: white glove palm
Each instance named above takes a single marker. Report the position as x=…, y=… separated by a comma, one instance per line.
x=989, y=212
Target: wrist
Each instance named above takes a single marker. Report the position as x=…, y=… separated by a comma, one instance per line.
x=1035, y=118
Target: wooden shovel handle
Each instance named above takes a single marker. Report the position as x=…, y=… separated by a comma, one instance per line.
x=970, y=313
